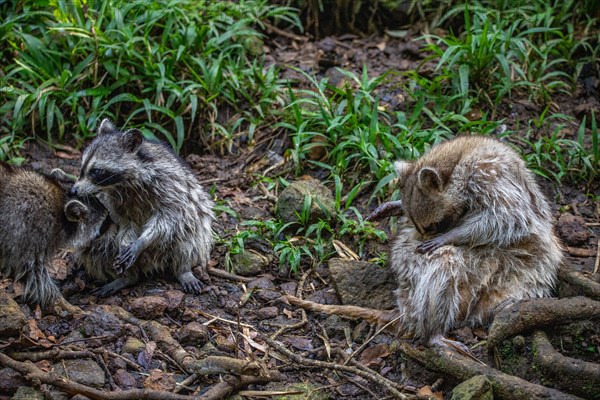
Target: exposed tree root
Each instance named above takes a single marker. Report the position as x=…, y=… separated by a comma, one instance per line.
x=508, y=387
x=379, y=317
x=33, y=373
x=226, y=365
x=580, y=280
x=570, y=374
x=529, y=315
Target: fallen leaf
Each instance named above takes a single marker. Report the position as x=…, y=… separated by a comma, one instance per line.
x=159, y=380
x=300, y=343
x=374, y=354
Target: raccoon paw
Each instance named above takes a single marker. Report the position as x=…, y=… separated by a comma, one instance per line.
x=190, y=283
x=429, y=246
x=114, y=286
x=126, y=258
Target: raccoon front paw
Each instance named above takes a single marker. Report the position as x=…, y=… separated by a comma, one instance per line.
x=429, y=246
x=190, y=283
x=126, y=259
x=389, y=209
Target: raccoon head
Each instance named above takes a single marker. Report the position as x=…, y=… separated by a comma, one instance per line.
x=111, y=159
x=429, y=206
x=90, y=217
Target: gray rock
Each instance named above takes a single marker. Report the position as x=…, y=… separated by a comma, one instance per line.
x=363, y=284
x=477, y=388
x=28, y=393
x=124, y=379
x=335, y=327
x=11, y=380
x=291, y=200
x=84, y=371
x=267, y=312
x=249, y=263
x=101, y=322
x=148, y=307
x=133, y=346
x=12, y=318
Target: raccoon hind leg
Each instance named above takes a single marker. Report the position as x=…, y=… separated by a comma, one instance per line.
x=39, y=288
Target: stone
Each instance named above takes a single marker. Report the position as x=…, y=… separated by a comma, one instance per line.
x=361, y=283
x=12, y=318
x=11, y=380
x=478, y=387
x=133, y=346
x=193, y=334
x=84, y=371
x=148, y=307
x=249, y=263
x=267, y=312
x=174, y=299
x=572, y=229
x=289, y=288
x=124, y=379
x=291, y=201
x=28, y=393
x=102, y=322
x=335, y=327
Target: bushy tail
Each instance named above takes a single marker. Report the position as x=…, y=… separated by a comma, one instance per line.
x=379, y=317
x=39, y=288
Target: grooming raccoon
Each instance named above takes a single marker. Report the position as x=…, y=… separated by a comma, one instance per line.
x=477, y=237
x=163, y=215
x=37, y=220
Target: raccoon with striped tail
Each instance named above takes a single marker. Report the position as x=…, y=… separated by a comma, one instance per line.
x=477, y=236
x=162, y=213
x=38, y=220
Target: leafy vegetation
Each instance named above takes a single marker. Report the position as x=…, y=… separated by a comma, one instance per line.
x=193, y=72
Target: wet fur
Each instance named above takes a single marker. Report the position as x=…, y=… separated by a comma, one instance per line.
x=38, y=220
x=161, y=213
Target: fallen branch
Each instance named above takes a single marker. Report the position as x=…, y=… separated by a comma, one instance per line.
x=233, y=384
x=33, y=373
x=534, y=314
x=228, y=275
x=373, y=377
x=581, y=281
x=446, y=361
x=212, y=365
x=570, y=374
x=54, y=354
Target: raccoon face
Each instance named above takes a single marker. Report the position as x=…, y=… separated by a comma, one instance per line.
x=431, y=210
x=109, y=160
x=91, y=218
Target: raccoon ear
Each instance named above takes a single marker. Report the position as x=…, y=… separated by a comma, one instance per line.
x=132, y=139
x=402, y=169
x=106, y=127
x=429, y=179
x=76, y=211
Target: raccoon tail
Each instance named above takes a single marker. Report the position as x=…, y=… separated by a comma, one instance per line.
x=379, y=317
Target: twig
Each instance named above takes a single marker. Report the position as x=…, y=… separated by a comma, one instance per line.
x=184, y=384
x=215, y=318
x=597, y=263
x=228, y=275
x=283, y=33
x=373, y=377
x=362, y=346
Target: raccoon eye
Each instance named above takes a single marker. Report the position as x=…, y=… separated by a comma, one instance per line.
x=104, y=177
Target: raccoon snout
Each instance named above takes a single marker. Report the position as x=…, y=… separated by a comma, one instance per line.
x=73, y=191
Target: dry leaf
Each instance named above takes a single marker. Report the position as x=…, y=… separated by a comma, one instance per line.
x=374, y=354
x=158, y=380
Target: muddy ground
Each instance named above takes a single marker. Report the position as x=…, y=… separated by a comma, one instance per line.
x=233, y=316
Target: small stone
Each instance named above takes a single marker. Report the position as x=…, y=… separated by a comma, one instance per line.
x=124, y=379
x=289, y=287
x=193, y=334
x=12, y=318
x=572, y=229
x=133, y=346
x=267, y=313
x=85, y=371
x=261, y=283
x=73, y=336
x=249, y=263
x=148, y=307
x=159, y=380
x=10, y=380
x=477, y=388
x=102, y=322
x=174, y=299
x=28, y=393
x=334, y=326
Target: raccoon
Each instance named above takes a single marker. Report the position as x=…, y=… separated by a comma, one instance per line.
x=477, y=235
x=161, y=213
x=38, y=220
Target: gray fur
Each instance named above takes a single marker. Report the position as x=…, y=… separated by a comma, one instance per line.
x=38, y=220
x=162, y=214
x=495, y=246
